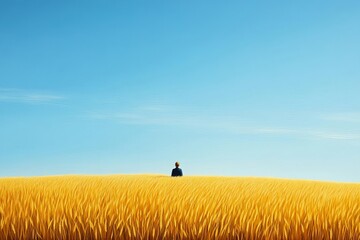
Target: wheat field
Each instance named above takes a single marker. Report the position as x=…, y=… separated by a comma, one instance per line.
x=161, y=207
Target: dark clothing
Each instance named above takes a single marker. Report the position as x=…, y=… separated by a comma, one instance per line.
x=176, y=172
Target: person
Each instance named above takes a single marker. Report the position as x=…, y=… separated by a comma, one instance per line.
x=177, y=172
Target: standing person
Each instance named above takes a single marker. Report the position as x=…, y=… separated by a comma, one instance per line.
x=176, y=172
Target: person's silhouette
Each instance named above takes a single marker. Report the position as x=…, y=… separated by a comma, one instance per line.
x=177, y=172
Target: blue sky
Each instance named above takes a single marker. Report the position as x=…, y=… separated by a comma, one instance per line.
x=239, y=88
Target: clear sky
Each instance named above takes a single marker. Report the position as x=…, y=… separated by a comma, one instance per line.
x=235, y=88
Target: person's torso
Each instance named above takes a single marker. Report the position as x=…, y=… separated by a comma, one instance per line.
x=177, y=172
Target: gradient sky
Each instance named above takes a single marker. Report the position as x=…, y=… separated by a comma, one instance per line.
x=255, y=88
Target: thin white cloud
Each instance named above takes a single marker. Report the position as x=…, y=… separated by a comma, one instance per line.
x=336, y=135
x=26, y=96
x=351, y=117
x=227, y=124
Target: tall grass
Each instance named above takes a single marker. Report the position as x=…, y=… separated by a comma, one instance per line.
x=160, y=207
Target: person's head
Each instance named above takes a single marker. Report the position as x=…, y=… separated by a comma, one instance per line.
x=177, y=164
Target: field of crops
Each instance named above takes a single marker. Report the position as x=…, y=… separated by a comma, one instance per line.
x=161, y=207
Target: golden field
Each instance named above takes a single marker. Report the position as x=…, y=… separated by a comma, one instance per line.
x=161, y=207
